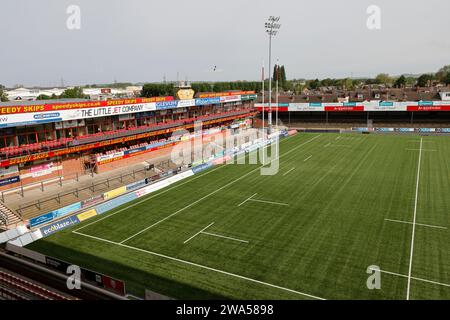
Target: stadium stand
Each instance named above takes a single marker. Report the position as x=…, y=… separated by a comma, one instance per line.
x=14, y=287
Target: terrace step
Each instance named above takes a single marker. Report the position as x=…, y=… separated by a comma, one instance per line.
x=9, y=217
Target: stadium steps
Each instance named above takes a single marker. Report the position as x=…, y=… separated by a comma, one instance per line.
x=10, y=217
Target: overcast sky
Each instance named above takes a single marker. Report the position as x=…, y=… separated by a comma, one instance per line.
x=143, y=40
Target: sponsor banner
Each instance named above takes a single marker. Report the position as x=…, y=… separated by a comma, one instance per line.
x=135, y=150
x=166, y=105
x=246, y=97
x=186, y=103
x=114, y=203
x=57, y=264
x=305, y=107
x=91, y=201
x=114, y=285
x=221, y=94
x=429, y=108
x=55, y=214
x=136, y=185
x=201, y=167
x=205, y=101
x=59, y=225
x=86, y=215
x=10, y=170
x=41, y=170
x=230, y=98
x=274, y=109
x=10, y=180
x=41, y=219
x=114, y=193
x=344, y=108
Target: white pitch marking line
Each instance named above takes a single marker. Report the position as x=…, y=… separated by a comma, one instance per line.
x=270, y=202
x=221, y=236
x=327, y=144
x=307, y=158
x=199, y=232
x=408, y=289
x=419, y=224
x=341, y=145
x=337, y=138
x=219, y=189
x=414, y=278
x=431, y=150
x=287, y=172
x=200, y=266
x=240, y=204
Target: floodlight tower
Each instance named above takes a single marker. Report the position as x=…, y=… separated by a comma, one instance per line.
x=272, y=26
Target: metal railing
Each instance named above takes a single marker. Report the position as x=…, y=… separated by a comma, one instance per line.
x=101, y=185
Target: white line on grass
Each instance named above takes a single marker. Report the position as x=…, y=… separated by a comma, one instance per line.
x=201, y=266
x=341, y=145
x=199, y=232
x=418, y=224
x=287, y=172
x=408, y=289
x=221, y=236
x=217, y=190
x=327, y=144
x=414, y=278
x=240, y=204
x=270, y=202
x=307, y=158
x=432, y=150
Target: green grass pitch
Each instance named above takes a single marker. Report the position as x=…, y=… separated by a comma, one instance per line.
x=309, y=232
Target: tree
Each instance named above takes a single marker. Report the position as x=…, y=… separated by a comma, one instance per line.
x=424, y=80
x=73, y=93
x=447, y=79
x=314, y=84
x=443, y=72
x=3, y=96
x=43, y=97
x=383, y=78
x=157, y=89
x=400, y=82
x=347, y=83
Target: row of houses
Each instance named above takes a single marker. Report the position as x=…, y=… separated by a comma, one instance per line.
x=368, y=94
x=30, y=94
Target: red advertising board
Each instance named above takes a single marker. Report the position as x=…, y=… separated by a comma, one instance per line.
x=344, y=108
x=428, y=108
x=274, y=109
